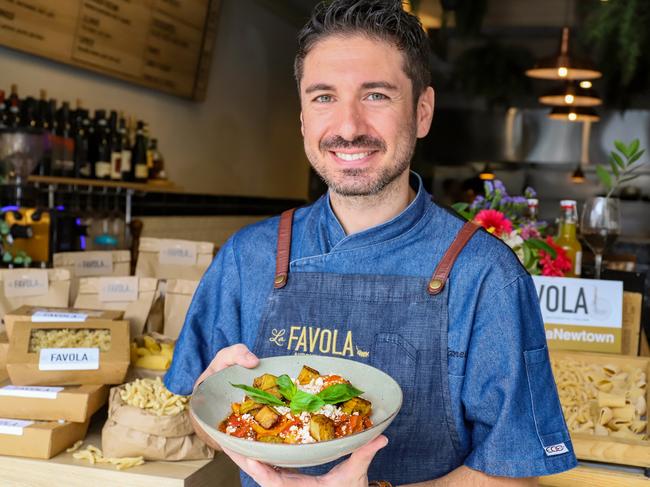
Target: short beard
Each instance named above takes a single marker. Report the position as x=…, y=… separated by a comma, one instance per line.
x=385, y=178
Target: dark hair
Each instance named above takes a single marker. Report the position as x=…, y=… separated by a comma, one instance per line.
x=380, y=19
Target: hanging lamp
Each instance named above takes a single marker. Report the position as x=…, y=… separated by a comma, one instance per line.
x=486, y=174
x=574, y=114
x=564, y=66
x=578, y=176
x=571, y=93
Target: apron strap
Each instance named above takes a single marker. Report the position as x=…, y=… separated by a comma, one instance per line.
x=440, y=275
x=284, y=249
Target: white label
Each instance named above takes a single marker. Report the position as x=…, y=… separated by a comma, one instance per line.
x=118, y=289
x=580, y=302
x=126, y=161
x=13, y=427
x=116, y=165
x=94, y=264
x=32, y=392
x=578, y=267
x=55, y=317
x=26, y=282
x=178, y=253
x=68, y=359
x=141, y=171
x=103, y=169
x=558, y=449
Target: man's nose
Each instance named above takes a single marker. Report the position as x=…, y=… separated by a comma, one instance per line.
x=351, y=120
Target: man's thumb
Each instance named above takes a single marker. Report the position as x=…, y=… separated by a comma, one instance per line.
x=363, y=456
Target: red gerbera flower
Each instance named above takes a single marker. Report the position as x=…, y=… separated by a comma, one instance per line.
x=494, y=222
x=554, y=267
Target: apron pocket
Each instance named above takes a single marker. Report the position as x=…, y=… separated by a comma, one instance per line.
x=396, y=356
x=547, y=412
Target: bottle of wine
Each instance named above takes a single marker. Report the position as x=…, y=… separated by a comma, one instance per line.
x=116, y=147
x=158, y=164
x=44, y=122
x=63, y=157
x=28, y=113
x=3, y=110
x=13, y=117
x=139, y=155
x=102, y=135
x=127, y=147
x=81, y=160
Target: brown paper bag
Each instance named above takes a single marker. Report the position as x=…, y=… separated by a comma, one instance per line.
x=92, y=264
x=177, y=301
x=173, y=259
x=36, y=287
x=133, y=295
x=131, y=431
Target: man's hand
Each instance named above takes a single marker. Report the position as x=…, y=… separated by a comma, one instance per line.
x=234, y=355
x=351, y=473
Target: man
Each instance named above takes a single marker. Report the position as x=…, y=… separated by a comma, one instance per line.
x=466, y=345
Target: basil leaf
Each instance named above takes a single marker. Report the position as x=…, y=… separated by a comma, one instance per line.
x=303, y=401
x=286, y=386
x=259, y=396
x=339, y=393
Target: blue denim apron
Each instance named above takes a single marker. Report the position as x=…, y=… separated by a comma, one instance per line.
x=389, y=322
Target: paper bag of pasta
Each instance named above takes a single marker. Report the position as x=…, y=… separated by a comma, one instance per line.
x=92, y=264
x=145, y=419
x=133, y=295
x=178, y=297
x=37, y=287
x=173, y=259
x=151, y=356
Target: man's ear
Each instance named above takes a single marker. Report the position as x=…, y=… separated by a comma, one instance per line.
x=302, y=125
x=424, y=114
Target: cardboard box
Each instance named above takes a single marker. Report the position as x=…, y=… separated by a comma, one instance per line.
x=42, y=314
x=69, y=366
x=39, y=440
x=71, y=403
x=4, y=350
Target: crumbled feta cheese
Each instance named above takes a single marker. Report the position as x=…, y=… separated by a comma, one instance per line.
x=246, y=417
x=230, y=429
x=330, y=411
x=282, y=409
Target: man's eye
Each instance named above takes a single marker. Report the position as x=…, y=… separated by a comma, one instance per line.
x=323, y=98
x=377, y=97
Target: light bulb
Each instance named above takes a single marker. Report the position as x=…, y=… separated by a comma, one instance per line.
x=569, y=99
x=562, y=72
x=572, y=116
x=585, y=84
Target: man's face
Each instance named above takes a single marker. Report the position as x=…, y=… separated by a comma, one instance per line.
x=358, y=117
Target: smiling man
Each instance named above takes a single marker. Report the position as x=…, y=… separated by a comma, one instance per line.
x=390, y=278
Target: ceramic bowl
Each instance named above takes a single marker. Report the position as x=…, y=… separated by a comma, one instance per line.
x=210, y=404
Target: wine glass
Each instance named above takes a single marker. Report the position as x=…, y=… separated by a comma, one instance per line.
x=600, y=226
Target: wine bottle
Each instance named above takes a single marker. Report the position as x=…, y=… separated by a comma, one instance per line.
x=139, y=155
x=63, y=157
x=127, y=146
x=3, y=110
x=116, y=147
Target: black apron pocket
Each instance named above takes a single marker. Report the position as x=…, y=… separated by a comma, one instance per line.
x=396, y=356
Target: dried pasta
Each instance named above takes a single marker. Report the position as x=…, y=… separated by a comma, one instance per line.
x=95, y=456
x=607, y=400
x=70, y=338
x=152, y=395
x=75, y=447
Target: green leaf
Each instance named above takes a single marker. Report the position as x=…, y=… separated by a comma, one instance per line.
x=7, y=257
x=604, y=176
x=460, y=206
x=621, y=147
x=286, y=386
x=260, y=396
x=614, y=167
x=303, y=401
x=635, y=157
x=633, y=147
x=618, y=159
x=339, y=393
x=18, y=259
x=541, y=245
x=528, y=256
x=4, y=228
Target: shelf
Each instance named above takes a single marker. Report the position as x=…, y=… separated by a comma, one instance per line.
x=140, y=187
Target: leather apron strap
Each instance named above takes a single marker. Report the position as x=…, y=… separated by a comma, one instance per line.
x=440, y=275
x=284, y=249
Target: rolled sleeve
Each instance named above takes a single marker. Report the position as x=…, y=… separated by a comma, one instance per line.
x=509, y=395
x=215, y=305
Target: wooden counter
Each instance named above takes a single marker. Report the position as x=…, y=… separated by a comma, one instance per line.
x=598, y=475
x=27, y=472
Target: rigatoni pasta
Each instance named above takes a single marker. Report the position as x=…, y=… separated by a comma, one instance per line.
x=606, y=400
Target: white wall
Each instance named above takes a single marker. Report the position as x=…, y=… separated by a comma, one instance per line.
x=244, y=139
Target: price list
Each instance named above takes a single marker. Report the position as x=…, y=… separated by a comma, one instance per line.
x=158, y=43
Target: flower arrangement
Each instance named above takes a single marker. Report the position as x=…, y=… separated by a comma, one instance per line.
x=508, y=218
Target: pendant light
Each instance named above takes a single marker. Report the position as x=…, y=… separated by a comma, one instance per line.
x=572, y=93
x=486, y=174
x=578, y=176
x=564, y=66
x=574, y=114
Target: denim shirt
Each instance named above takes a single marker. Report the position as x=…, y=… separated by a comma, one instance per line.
x=503, y=397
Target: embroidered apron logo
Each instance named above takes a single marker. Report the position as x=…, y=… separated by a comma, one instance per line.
x=307, y=339
x=277, y=337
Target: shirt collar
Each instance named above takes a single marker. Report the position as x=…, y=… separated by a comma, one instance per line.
x=337, y=239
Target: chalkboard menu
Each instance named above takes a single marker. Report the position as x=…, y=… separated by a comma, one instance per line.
x=162, y=44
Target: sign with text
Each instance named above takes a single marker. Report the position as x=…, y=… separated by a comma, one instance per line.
x=32, y=392
x=94, y=264
x=581, y=314
x=178, y=253
x=25, y=282
x=68, y=359
x=121, y=289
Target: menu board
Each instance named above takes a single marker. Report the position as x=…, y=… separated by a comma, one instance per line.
x=162, y=44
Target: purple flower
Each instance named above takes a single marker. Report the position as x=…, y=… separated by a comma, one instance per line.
x=530, y=192
x=519, y=200
x=499, y=186
x=477, y=203
x=529, y=230
x=489, y=188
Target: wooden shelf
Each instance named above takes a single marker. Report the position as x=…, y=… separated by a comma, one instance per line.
x=141, y=187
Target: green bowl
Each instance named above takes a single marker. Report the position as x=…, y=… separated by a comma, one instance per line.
x=210, y=404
